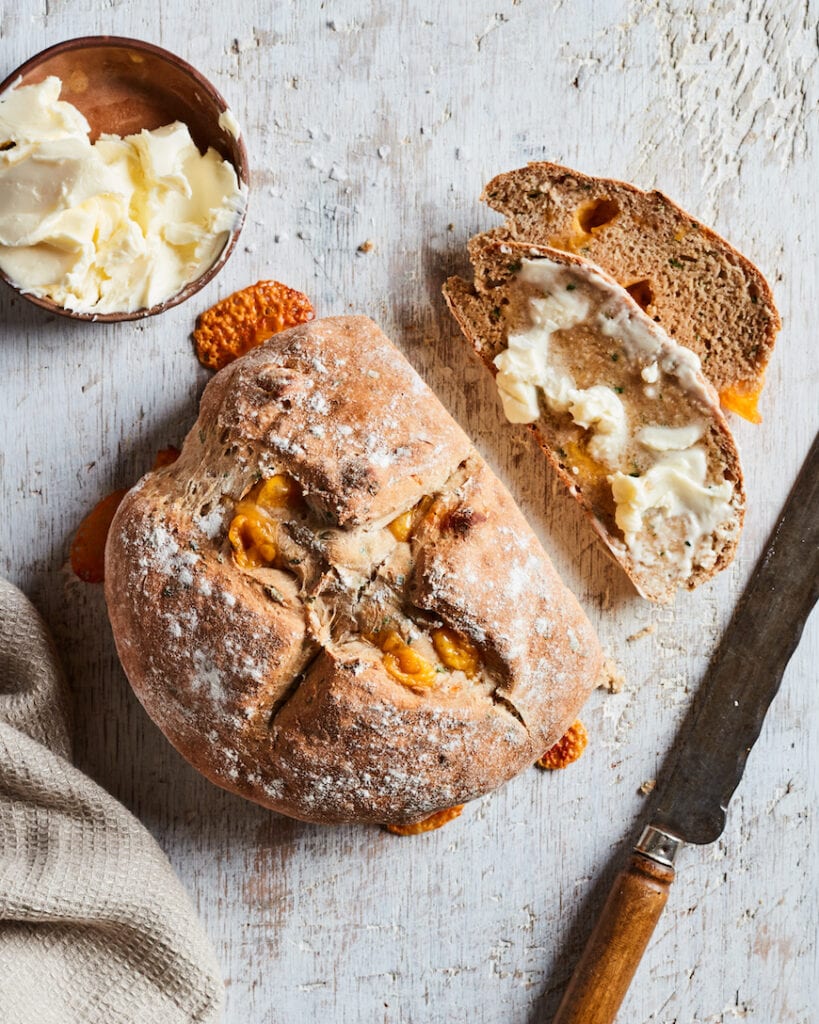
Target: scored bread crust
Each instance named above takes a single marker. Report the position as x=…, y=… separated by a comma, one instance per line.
x=263, y=678
x=706, y=294
x=495, y=264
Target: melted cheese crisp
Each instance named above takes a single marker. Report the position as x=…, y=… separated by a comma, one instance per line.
x=112, y=227
x=568, y=319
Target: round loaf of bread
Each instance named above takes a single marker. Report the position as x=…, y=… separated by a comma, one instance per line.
x=329, y=604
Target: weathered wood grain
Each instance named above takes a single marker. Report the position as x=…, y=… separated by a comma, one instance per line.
x=381, y=122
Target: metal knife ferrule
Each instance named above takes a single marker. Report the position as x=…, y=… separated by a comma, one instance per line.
x=658, y=845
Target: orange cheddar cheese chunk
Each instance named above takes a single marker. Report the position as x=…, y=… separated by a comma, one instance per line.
x=403, y=663
x=455, y=650
x=742, y=401
x=252, y=536
x=401, y=526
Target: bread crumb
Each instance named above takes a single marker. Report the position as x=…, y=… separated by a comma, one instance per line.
x=648, y=786
x=611, y=678
x=367, y=246
x=645, y=631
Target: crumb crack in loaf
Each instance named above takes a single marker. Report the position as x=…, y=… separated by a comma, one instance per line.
x=705, y=293
x=329, y=604
x=621, y=411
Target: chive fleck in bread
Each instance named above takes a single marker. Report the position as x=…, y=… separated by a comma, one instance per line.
x=622, y=412
x=705, y=294
x=329, y=603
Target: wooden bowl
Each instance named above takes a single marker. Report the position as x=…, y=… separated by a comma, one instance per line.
x=122, y=86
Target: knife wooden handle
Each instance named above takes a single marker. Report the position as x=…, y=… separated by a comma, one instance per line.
x=613, y=952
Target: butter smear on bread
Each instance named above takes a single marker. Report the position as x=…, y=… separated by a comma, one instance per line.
x=113, y=226
x=577, y=351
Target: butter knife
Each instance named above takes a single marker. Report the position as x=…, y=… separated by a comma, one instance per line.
x=742, y=680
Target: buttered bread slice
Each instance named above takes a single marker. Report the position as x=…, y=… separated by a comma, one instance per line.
x=623, y=413
x=706, y=295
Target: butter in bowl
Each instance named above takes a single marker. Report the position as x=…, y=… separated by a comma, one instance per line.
x=123, y=179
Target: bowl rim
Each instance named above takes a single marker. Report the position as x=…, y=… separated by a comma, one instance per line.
x=240, y=167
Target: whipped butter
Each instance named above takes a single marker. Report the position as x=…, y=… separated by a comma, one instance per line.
x=229, y=124
x=115, y=226
x=665, y=507
x=526, y=371
x=667, y=513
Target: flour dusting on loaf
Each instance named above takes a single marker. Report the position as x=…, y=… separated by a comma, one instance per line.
x=329, y=603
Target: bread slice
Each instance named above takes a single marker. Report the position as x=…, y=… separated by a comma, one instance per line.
x=705, y=294
x=621, y=411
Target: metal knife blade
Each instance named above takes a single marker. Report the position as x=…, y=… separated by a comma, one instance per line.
x=745, y=673
x=737, y=690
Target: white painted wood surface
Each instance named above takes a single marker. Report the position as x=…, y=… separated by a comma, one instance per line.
x=382, y=122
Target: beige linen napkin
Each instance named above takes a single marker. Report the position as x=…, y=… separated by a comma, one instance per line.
x=94, y=926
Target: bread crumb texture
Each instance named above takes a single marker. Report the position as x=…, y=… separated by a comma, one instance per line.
x=330, y=604
x=567, y=749
x=247, y=318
